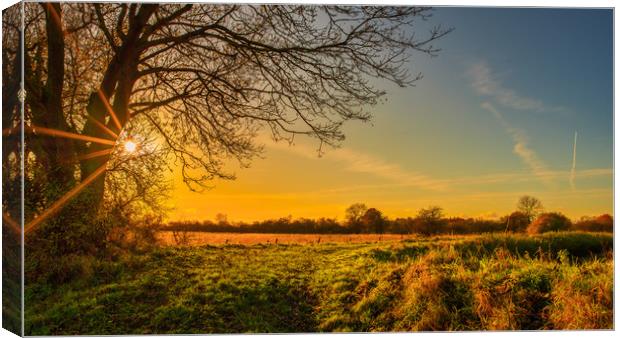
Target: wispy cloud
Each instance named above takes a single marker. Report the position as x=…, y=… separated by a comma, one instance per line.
x=354, y=161
x=572, y=170
x=397, y=176
x=549, y=175
x=521, y=145
x=455, y=195
x=487, y=84
x=364, y=163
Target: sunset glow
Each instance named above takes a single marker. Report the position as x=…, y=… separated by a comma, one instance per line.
x=487, y=124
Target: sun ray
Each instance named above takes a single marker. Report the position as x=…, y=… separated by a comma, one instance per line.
x=9, y=131
x=106, y=103
x=96, y=154
x=55, y=16
x=64, y=199
x=103, y=127
x=11, y=223
x=65, y=134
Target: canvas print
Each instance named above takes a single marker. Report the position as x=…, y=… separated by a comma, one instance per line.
x=182, y=168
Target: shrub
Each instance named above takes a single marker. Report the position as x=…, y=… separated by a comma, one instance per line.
x=602, y=223
x=553, y=221
x=516, y=222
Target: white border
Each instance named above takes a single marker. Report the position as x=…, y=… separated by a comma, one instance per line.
x=468, y=3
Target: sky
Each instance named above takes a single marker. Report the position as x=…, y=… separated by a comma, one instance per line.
x=494, y=118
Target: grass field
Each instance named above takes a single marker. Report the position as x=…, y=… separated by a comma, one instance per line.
x=201, y=238
x=489, y=282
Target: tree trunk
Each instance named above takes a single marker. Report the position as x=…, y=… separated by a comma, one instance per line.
x=10, y=100
x=118, y=82
x=59, y=151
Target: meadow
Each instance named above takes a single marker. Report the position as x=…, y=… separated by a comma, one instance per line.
x=560, y=280
x=197, y=238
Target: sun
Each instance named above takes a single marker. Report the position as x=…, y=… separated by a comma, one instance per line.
x=130, y=146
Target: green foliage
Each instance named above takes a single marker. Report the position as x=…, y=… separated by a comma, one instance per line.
x=490, y=282
x=550, y=245
x=53, y=251
x=11, y=279
x=76, y=229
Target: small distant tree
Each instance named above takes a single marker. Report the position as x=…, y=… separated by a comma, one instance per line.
x=355, y=212
x=603, y=223
x=429, y=220
x=373, y=221
x=221, y=219
x=516, y=222
x=552, y=221
x=530, y=206
x=353, y=216
x=401, y=226
x=606, y=220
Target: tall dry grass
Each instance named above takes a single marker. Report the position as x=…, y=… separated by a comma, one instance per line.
x=196, y=238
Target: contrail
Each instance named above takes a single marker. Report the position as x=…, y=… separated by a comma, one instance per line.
x=521, y=146
x=572, y=171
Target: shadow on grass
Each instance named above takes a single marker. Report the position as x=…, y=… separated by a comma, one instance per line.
x=172, y=294
x=270, y=306
x=398, y=254
x=577, y=245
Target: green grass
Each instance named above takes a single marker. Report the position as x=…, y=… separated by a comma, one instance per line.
x=552, y=281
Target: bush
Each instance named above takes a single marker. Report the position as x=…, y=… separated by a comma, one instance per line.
x=516, y=222
x=553, y=221
x=602, y=223
x=137, y=234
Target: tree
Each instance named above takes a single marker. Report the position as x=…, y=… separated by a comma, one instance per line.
x=12, y=56
x=373, y=221
x=430, y=214
x=603, y=222
x=516, y=222
x=203, y=79
x=429, y=220
x=530, y=206
x=606, y=220
x=552, y=221
x=11, y=177
x=221, y=219
x=353, y=216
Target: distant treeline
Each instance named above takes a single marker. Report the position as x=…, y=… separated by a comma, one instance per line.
x=516, y=222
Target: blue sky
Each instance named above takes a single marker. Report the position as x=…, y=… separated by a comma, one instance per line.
x=560, y=56
x=493, y=118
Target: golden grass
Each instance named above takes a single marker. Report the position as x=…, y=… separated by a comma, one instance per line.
x=204, y=238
